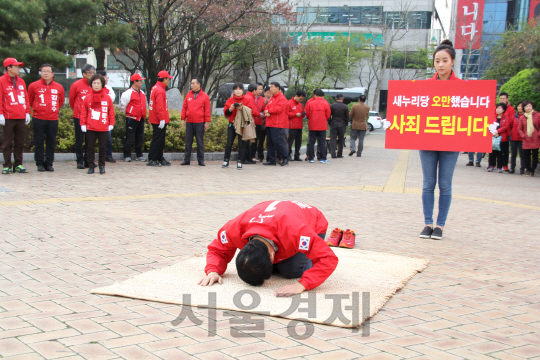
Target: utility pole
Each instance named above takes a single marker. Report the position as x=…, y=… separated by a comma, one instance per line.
x=346, y=7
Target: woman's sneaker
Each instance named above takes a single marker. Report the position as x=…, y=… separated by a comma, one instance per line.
x=426, y=233
x=437, y=233
x=500, y=170
x=490, y=169
x=335, y=237
x=348, y=239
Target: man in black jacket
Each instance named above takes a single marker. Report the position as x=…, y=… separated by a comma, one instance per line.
x=338, y=124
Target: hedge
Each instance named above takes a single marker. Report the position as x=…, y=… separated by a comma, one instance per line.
x=215, y=138
x=520, y=88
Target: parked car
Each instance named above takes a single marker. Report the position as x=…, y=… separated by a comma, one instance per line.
x=374, y=121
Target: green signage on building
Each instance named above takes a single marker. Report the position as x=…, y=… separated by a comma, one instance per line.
x=376, y=39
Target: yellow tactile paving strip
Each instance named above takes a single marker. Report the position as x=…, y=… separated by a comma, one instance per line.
x=396, y=180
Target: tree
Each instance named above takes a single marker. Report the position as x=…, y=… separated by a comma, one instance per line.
x=521, y=88
x=410, y=65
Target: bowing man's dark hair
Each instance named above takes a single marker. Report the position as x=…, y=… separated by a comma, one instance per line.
x=253, y=263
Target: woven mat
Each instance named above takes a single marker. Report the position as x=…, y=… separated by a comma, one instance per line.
x=359, y=287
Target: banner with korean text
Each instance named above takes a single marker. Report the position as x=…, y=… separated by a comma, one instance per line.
x=469, y=21
x=440, y=115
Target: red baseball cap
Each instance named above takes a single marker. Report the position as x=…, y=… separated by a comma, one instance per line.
x=12, y=61
x=136, y=77
x=163, y=74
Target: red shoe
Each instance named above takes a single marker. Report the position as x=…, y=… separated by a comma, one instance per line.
x=335, y=237
x=505, y=169
x=348, y=239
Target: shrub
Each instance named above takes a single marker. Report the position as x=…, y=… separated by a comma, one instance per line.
x=520, y=88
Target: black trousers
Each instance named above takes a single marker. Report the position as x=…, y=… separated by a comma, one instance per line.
x=257, y=147
x=134, y=133
x=194, y=130
x=101, y=137
x=337, y=137
x=158, y=143
x=274, y=145
x=499, y=158
x=231, y=135
x=44, y=133
x=295, y=136
x=295, y=266
x=515, y=147
x=14, y=132
x=79, y=140
x=320, y=137
x=527, y=162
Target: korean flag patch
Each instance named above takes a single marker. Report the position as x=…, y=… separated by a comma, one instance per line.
x=304, y=243
x=223, y=237
x=54, y=91
x=104, y=103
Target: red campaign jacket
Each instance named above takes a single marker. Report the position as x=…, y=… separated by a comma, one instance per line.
x=158, y=104
x=196, y=109
x=133, y=103
x=46, y=100
x=294, y=227
x=318, y=112
x=257, y=114
x=259, y=103
x=77, y=94
x=277, y=107
x=514, y=128
x=295, y=122
x=104, y=113
x=245, y=101
x=13, y=99
x=504, y=128
x=532, y=142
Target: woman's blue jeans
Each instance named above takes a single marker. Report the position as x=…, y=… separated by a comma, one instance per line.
x=445, y=162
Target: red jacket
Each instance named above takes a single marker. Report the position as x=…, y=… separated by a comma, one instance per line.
x=277, y=107
x=196, y=109
x=244, y=100
x=294, y=227
x=318, y=112
x=295, y=122
x=97, y=118
x=257, y=114
x=514, y=126
x=13, y=98
x=133, y=103
x=46, y=100
x=259, y=103
x=504, y=128
x=530, y=142
x=158, y=104
x=77, y=94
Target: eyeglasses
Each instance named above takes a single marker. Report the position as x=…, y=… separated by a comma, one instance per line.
x=46, y=72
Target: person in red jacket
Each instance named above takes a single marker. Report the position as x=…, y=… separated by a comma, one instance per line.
x=159, y=118
x=45, y=97
x=516, y=141
x=510, y=111
x=196, y=111
x=529, y=130
x=234, y=104
x=14, y=115
x=77, y=94
x=133, y=103
x=274, y=236
x=97, y=119
x=276, y=120
x=499, y=158
x=296, y=123
x=254, y=91
x=318, y=112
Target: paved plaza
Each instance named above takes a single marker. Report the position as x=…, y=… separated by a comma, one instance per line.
x=65, y=233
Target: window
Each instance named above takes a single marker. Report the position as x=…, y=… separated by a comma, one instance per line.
x=414, y=19
x=117, y=59
x=358, y=15
x=80, y=62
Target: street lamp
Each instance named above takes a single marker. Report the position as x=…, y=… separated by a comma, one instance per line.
x=346, y=7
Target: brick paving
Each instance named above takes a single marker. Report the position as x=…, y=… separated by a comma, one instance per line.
x=65, y=233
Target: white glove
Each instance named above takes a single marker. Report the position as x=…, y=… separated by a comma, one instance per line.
x=161, y=124
x=386, y=124
x=111, y=127
x=494, y=132
x=83, y=128
x=2, y=120
x=493, y=127
x=28, y=118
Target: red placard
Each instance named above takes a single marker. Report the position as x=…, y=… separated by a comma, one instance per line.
x=534, y=10
x=441, y=115
x=469, y=21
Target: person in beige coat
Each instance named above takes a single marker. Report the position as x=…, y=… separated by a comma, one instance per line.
x=359, y=115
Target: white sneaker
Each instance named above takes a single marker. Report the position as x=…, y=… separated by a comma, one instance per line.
x=323, y=161
x=141, y=158
x=128, y=159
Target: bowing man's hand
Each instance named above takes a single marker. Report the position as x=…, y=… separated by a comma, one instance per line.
x=290, y=290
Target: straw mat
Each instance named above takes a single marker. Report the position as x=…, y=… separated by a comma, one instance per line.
x=359, y=287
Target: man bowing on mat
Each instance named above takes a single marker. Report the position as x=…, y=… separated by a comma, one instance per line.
x=285, y=237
